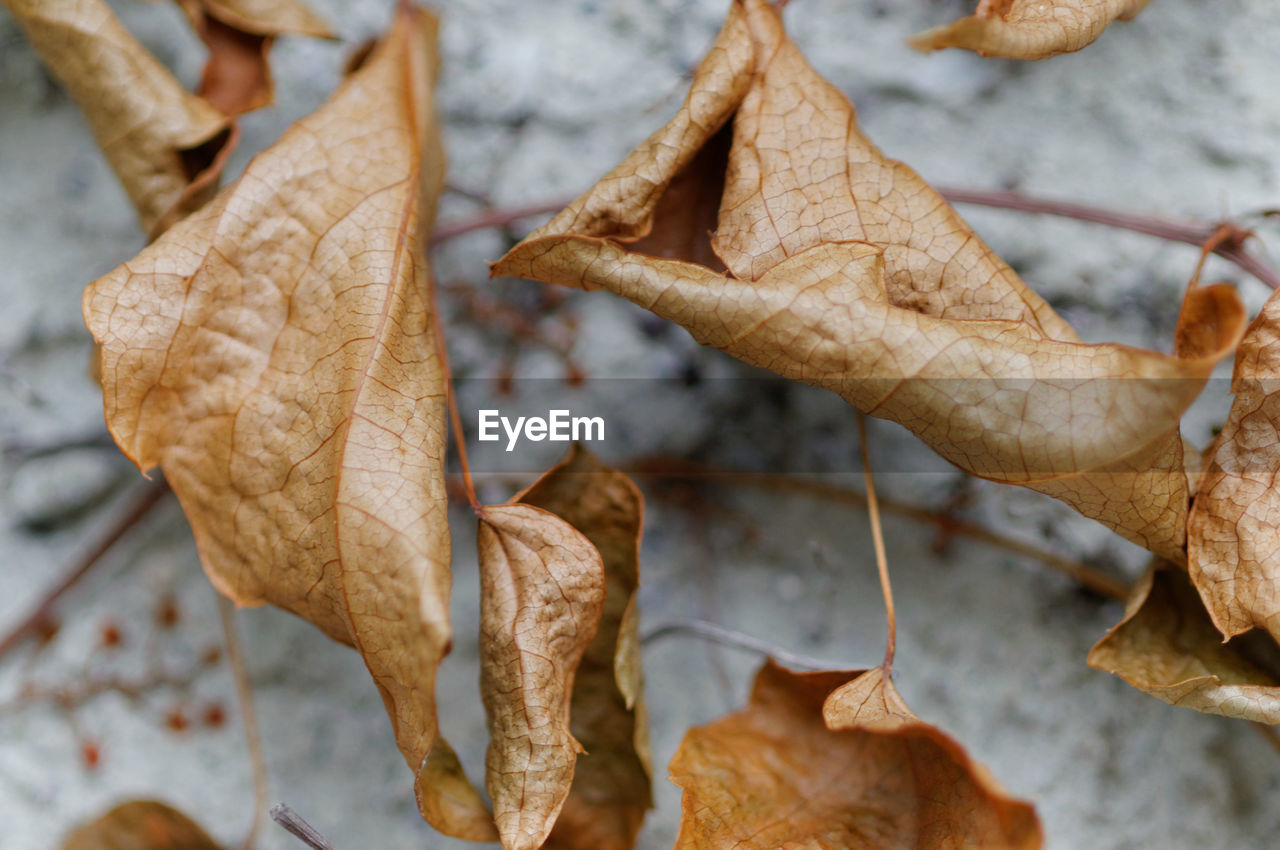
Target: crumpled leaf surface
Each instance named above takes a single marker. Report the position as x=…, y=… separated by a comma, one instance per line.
x=1167, y=646
x=819, y=761
x=165, y=144
x=274, y=355
x=833, y=265
x=612, y=781
x=140, y=825
x=542, y=591
x=1234, y=532
x=1029, y=29
x=239, y=35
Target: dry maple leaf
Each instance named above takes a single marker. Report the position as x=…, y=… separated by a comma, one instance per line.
x=140, y=825
x=274, y=355
x=239, y=35
x=1029, y=29
x=819, y=761
x=1167, y=646
x=1234, y=531
x=542, y=592
x=833, y=265
x=166, y=145
x=612, y=781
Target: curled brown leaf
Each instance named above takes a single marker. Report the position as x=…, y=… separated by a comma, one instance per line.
x=816, y=760
x=1029, y=29
x=274, y=355
x=165, y=144
x=612, y=780
x=1167, y=646
x=239, y=35
x=839, y=267
x=1234, y=532
x=542, y=592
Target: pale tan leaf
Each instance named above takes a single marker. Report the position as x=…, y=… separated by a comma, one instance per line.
x=239, y=35
x=274, y=355
x=166, y=145
x=542, y=591
x=1029, y=29
x=822, y=762
x=140, y=825
x=844, y=269
x=268, y=17
x=1167, y=646
x=611, y=783
x=1234, y=531
x=448, y=800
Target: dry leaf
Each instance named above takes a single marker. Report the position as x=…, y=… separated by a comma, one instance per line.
x=141, y=825
x=1167, y=646
x=542, y=592
x=838, y=267
x=1029, y=29
x=274, y=355
x=612, y=782
x=1234, y=531
x=448, y=800
x=239, y=35
x=818, y=761
x=166, y=145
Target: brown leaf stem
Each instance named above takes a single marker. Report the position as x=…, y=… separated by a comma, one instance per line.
x=877, y=538
x=738, y=640
x=145, y=497
x=1187, y=232
x=455, y=418
x=248, y=716
x=495, y=218
x=1088, y=577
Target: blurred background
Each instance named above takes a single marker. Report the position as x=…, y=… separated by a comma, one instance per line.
x=1174, y=114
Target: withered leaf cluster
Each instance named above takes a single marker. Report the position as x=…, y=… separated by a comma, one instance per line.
x=276, y=353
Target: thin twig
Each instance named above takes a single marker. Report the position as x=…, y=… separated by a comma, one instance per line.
x=248, y=716
x=877, y=539
x=140, y=503
x=1188, y=232
x=496, y=218
x=455, y=418
x=299, y=828
x=738, y=640
x=1084, y=575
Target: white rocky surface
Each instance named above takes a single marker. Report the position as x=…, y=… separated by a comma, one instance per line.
x=1174, y=114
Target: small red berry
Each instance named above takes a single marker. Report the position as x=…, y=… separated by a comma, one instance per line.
x=90, y=754
x=214, y=716
x=111, y=636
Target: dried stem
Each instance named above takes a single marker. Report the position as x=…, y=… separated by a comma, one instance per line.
x=877, y=539
x=738, y=640
x=299, y=828
x=1088, y=577
x=248, y=716
x=455, y=418
x=496, y=218
x=140, y=503
x=1188, y=232
x=89, y=686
